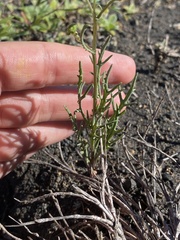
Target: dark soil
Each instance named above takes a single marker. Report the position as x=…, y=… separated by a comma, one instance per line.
x=154, y=115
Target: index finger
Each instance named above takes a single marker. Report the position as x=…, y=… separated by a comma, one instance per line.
x=30, y=65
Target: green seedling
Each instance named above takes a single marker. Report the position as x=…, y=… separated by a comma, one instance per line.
x=110, y=23
x=130, y=10
x=99, y=130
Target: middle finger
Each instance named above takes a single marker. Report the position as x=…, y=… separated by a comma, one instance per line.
x=23, y=108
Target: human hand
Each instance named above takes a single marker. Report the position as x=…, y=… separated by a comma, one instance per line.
x=36, y=83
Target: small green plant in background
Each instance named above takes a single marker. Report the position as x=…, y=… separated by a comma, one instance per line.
x=129, y=10
x=36, y=20
x=109, y=23
x=99, y=131
x=28, y=21
x=47, y=20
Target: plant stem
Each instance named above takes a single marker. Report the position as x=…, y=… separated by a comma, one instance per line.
x=94, y=58
x=95, y=85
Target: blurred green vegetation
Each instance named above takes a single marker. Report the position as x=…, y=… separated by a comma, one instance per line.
x=34, y=19
x=49, y=20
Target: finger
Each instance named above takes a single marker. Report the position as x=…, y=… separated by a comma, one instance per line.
x=23, y=108
x=29, y=65
x=15, y=143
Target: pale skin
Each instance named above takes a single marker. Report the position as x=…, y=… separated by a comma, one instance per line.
x=35, y=79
